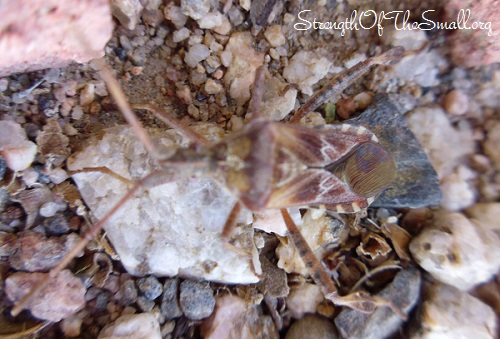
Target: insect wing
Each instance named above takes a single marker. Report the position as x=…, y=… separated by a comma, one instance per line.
x=317, y=188
x=320, y=147
x=319, y=150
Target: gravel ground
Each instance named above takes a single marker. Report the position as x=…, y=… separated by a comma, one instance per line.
x=179, y=64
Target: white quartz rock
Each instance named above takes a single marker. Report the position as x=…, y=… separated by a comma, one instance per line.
x=450, y=313
x=242, y=61
x=458, y=192
x=15, y=147
x=304, y=299
x=445, y=145
x=140, y=326
x=277, y=100
x=457, y=251
x=306, y=69
x=173, y=228
x=421, y=68
x=272, y=221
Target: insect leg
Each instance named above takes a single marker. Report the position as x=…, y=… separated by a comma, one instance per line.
x=339, y=83
x=105, y=170
x=228, y=230
x=360, y=301
x=121, y=101
x=88, y=236
x=313, y=265
x=175, y=123
x=257, y=92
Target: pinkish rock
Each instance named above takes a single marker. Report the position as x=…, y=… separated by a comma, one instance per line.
x=39, y=34
x=475, y=47
x=62, y=297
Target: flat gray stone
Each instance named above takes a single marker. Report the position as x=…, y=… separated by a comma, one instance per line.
x=417, y=182
x=403, y=291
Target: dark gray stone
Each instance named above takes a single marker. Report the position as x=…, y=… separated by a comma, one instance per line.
x=150, y=287
x=170, y=308
x=127, y=294
x=403, y=291
x=196, y=299
x=3, y=167
x=145, y=304
x=274, y=281
x=56, y=225
x=417, y=183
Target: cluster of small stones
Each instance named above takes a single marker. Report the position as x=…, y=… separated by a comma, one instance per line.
x=455, y=119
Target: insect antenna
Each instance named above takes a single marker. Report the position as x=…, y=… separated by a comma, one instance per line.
x=340, y=82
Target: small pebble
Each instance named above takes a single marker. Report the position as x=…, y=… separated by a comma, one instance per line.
x=458, y=192
x=184, y=94
x=218, y=74
x=456, y=102
x=170, y=308
x=77, y=113
x=142, y=325
x=196, y=54
x=175, y=15
x=235, y=16
x=145, y=304
x=125, y=43
x=15, y=148
x=38, y=253
x=71, y=326
x=69, y=87
x=136, y=70
x=87, y=94
x=59, y=94
x=100, y=88
x=8, y=244
x=30, y=176
x=49, y=209
x=52, y=76
x=312, y=326
x=211, y=20
x=150, y=287
x=57, y=175
x=457, y=251
x=11, y=214
x=61, y=298
x=127, y=12
x=195, y=9
x=181, y=34
x=127, y=294
x=213, y=62
x=304, y=299
x=196, y=299
x=4, y=84
x=3, y=167
x=274, y=36
x=492, y=141
x=193, y=111
x=450, y=313
x=56, y=225
x=306, y=68
x=212, y=87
